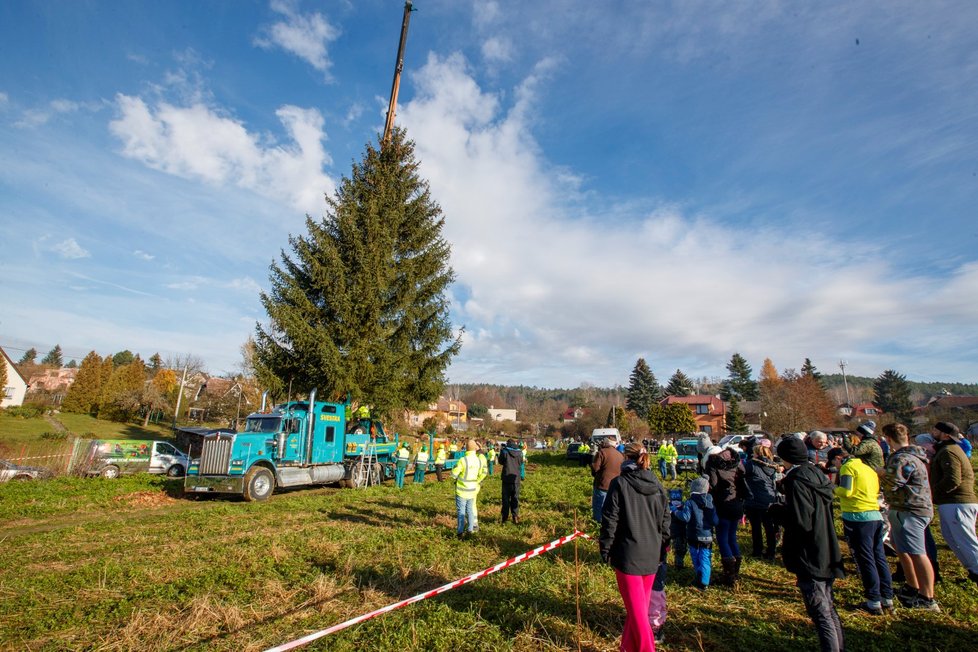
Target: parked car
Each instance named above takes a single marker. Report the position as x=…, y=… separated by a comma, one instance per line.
x=689, y=459
x=115, y=457
x=733, y=440
x=600, y=434
x=11, y=471
x=573, y=451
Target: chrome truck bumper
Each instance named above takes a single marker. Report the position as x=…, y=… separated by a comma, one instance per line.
x=216, y=484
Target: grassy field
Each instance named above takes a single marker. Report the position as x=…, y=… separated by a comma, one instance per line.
x=129, y=564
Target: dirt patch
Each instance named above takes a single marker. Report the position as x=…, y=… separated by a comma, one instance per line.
x=145, y=499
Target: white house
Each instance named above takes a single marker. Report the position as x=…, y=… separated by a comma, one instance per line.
x=502, y=414
x=14, y=390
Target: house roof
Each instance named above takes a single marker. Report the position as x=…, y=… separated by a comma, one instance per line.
x=953, y=402
x=862, y=407
x=716, y=405
x=444, y=405
x=13, y=366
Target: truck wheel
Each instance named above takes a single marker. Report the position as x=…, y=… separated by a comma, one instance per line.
x=174, y=471
x=364, y=475
x=259, y=483
x=111, y=471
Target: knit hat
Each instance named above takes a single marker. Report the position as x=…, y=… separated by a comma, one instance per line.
x=948, y=429
x=699, y=486
x=925, y=439
x=793, y=450
x=765, y=442
x=867, y=429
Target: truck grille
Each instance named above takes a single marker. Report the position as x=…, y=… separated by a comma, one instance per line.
x=216, y=456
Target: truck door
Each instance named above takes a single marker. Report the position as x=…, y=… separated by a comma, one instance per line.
x=327, y=444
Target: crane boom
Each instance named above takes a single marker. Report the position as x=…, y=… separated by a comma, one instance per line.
x=398, y=66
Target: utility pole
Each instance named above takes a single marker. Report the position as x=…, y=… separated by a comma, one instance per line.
x=842, y=365
x=398, y=67
x=176, y=410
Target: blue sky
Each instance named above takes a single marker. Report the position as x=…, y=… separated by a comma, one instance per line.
x=675, y=181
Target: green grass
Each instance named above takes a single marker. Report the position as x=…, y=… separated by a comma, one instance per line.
x=127, y=564
x=18, y=429
x=87, y=426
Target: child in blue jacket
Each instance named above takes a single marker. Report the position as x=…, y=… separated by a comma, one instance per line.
x=700, y=518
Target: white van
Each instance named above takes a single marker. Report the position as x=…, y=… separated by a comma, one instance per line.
x=600, y=434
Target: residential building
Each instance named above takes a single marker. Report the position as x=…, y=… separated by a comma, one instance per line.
x=14, y=390
x=445, y=411
x=709, y=412
x=502, y=414
x=572, y=414
x=53, y=380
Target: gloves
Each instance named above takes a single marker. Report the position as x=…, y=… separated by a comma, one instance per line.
x=605, y=557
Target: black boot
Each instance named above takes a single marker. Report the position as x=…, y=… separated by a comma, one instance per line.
x=725, y=577
x=735, y=575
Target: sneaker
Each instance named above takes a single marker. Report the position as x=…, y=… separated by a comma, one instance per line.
x=660, y=638
x=925, y=604
x=871, y=609
x=888, y=604
x=906, y=595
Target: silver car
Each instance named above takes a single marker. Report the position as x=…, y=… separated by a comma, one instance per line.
x=11, y=471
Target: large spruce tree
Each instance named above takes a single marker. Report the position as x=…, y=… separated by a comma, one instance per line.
x=643, y=389
x=360, y=304
x=679, y=385
x=891, y=393
x=54, y=357
x=739, y=382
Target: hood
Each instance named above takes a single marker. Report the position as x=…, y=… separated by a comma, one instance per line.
x=726, y=460
x=764, y=462
x=705, y=501
x=812, y=476
x=913, y=449
x=641, y=480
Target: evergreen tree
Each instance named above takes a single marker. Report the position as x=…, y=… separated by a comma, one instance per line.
x=155, y=363
x=30, y=355
x=83, y=395
x=360, y=305
x=891, y=393
x=657, y=419
x=53, y=357
x=739, y=382
x=679, y=385
x=735, y=418
x=808, y=369
x=616, y=418
x=72, y=364
x=3, y=375
x=122, y=393
x=122, y=358
x=679, y=419
x=643, y=389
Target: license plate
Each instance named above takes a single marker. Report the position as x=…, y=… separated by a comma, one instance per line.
x=202, y=488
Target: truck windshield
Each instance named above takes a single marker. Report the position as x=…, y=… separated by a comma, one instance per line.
x=263, y=424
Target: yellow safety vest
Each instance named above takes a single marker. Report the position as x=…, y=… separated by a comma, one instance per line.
x=440, y=457
x=469, y=471
x=422, y=458
x=403, y=454
x=491, y=456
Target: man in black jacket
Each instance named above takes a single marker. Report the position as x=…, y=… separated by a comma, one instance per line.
x=810, y=546
x=510, y=459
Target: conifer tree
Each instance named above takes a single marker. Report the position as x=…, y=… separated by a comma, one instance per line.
x=30, y=355
x=3, y=375
x=359, y=306
x=643, y=389
x=735, y=418
x=657, y=419
x=739, y=381
x=679, y=419
x=679, y=385
x=83, y=395
x=54, y=357
x=891, y=393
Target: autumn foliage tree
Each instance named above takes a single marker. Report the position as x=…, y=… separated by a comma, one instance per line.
x=793, y=402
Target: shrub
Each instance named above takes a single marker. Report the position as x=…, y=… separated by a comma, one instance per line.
x=26, y=411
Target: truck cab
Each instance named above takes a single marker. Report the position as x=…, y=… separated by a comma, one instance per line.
x=298, y=443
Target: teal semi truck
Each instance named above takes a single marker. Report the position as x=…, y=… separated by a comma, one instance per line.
x=298, y=443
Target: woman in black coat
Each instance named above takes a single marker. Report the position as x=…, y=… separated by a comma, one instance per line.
x=634, y=534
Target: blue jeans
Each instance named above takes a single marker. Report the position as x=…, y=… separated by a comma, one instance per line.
x=465, y=509
x=597, y=503
x=727, y=537
x=662, y=468
x=865, y=540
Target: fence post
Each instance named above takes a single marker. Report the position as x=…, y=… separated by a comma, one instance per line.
x=70, y=466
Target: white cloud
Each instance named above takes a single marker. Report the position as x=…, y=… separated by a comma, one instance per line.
x=70, y=249
x=196, y=142
x=142, y=255
x=307, y=36
x=32, y=118
x=497, y=50
x=4, y=100
x=549, y=289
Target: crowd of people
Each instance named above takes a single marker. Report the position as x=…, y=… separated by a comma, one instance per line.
x=888, y=489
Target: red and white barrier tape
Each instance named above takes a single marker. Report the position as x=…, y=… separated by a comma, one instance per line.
x=309, y=638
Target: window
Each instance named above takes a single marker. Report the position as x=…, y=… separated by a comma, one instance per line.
x=870, y=410
x=329, y=409
x=703, y=408
x=707, y=429
x=165, y=449
x=8, y=392
x=330, y=434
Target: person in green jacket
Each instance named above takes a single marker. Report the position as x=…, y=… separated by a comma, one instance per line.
x=420, y=465
x=953, y=488
x=491, y=456
x=402, y=457
x=865, y=445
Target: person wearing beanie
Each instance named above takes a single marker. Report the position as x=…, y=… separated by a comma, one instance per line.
x=468, y=473
x=953, y=487
x=864, y=445
x=510, y=460
x=634, y=537
x=809, y=546
x=700, y=518
x=728, y=487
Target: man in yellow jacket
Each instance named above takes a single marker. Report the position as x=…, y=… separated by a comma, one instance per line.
x=862, y=525
x=668, y=456
x=469, y=471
